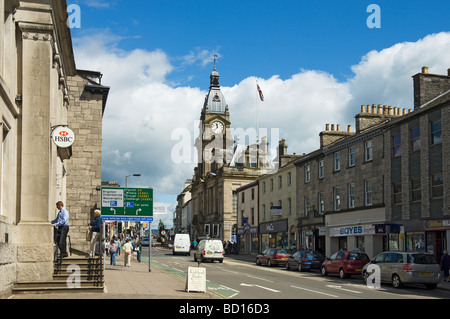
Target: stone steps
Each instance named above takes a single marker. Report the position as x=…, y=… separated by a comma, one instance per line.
x=76, y=275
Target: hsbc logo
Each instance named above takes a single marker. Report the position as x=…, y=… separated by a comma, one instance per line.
x=63, y=137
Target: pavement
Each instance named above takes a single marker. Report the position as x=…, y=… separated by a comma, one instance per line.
x=137, y=282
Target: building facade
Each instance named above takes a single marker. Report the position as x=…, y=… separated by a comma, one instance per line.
x=248, y=218
x=37, y=71
x=223, y=166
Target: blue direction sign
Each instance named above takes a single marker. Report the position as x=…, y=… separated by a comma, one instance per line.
x=127, y=204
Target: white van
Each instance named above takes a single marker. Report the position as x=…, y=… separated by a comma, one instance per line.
x=209, y=249
x=182, y=244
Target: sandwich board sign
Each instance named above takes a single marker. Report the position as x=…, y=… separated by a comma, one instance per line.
x=196, y=279
x=127, y=204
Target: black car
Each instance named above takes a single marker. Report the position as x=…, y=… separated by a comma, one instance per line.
x=305, y=260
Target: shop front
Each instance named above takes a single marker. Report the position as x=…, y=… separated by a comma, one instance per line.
x=362, y=237
x=437, y=234
x=274, y=234
x=248, y=239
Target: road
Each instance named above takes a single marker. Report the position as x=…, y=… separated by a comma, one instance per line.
x=237, y=279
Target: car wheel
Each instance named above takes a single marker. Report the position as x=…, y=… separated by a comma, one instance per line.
x=300, y=267
x=431, y=286
x=365, y=276
x=342, y=273
x=220, y=260
x=195, y=257
x=269, y=263
x=396, y=282
x=287, y=266
x=258, y=263
x=324, y=271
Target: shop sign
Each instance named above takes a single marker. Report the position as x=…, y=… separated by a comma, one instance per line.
x=274, y=227
x=63, y=137
x=352, y=230
x=436, y=224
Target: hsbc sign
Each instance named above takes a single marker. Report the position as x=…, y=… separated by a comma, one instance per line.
x=63, y=137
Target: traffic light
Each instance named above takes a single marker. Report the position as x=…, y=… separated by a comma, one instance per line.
x=119, y=227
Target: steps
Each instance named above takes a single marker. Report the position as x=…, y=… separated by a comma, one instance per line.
x=77, y=275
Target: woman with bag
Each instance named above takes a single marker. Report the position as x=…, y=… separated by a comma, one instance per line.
x=113, y=251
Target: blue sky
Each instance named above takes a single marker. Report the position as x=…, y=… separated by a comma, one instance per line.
x=316, y=62
x=263, y=38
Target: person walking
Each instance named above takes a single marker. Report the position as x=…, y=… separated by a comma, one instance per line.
x=61, y=223
x=95, y=226
x=127, y=249
x=445, y=265
x=113, y=251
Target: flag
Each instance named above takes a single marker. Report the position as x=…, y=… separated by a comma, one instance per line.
x=261, y=96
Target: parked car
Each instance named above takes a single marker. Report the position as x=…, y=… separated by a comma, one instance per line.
x=345, y=263
x=209, y=249
x=305, y=260
x=401, y=268
x=273, y=257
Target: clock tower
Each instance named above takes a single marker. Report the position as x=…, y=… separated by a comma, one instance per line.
x=215, y=143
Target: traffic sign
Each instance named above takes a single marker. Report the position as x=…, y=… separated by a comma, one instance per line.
x=127, y=204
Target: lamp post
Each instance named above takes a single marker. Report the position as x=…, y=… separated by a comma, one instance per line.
x=126, y=177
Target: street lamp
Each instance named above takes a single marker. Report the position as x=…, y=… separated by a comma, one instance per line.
x=129, y=176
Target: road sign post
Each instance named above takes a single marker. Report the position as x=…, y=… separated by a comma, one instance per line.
x=128, y=204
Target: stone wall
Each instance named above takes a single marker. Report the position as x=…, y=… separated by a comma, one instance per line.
x=84, y=168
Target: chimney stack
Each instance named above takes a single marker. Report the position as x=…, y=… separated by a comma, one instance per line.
x=428, y=86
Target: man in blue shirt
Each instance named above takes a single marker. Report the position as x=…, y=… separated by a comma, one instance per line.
x=62, y=224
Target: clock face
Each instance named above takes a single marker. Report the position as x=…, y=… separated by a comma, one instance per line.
x=217, y=127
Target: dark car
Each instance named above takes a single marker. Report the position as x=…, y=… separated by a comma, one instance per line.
x=273, y=257
x=305, y=260
x=345, y=263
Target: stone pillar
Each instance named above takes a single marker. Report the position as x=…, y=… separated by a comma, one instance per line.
x=34, y=232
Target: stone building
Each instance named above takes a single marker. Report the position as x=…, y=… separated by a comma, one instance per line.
x=248, y=218
x=278, y=206
x=36, y=96
x=87, y=105
x=223, y=166
x=417, y=148
x=383, y=187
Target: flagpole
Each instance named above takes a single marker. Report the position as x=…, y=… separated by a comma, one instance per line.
x=256, y=106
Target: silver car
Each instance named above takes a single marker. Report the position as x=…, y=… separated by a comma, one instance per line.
x=401, y=268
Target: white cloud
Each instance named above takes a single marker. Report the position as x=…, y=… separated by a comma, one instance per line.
x=143, y=109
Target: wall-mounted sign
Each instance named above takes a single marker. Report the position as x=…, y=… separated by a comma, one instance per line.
x=63, y=137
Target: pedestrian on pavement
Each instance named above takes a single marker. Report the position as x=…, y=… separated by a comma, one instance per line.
x=117, y=241
x=127, y=249
x=113, y=251
x=445, y=264
x=61, y=224
x=95, y=226
x=194, y=244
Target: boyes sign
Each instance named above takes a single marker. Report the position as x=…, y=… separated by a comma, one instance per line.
x=127, y=204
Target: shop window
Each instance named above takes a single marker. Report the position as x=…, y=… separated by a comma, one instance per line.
x=415, y=241
x=307, y=173
x=337, y=199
